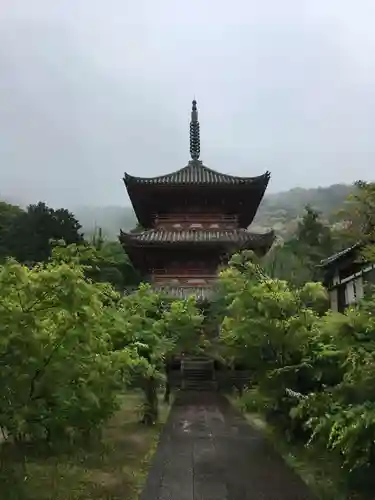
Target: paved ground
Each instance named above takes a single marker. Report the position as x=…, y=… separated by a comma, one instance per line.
x=207, y=451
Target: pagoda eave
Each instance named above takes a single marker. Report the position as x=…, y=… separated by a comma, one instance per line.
x=176, y=238
x=196, y=174
x=143, y=248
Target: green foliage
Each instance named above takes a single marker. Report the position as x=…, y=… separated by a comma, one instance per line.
x=9, y=214
x=104, y=263
x=343, y=415
x=296, y=260
x=313, y=235
x=157, y=329
x=28, y=235
x=313, y=369
x=266, y=318
x=69, y=342
x=59, y=373
x=182, y=321
x=284, y=263
x=358, y=219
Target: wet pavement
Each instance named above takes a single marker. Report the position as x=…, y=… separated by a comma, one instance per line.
x=208, y=451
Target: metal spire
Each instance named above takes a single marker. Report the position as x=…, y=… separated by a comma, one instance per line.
x=195, y=146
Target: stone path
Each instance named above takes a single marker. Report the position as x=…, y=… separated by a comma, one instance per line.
x=207, y=451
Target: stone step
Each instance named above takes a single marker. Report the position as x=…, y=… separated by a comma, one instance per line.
x=195, y=363
x=198, y=376
x=196, y=370
x=197, y=366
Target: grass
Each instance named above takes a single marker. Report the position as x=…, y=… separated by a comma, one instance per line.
x=113, y=468
x=321, y=472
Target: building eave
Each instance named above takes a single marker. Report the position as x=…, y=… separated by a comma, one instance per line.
x=196, y=173
x=240, y=237
x=332, y=259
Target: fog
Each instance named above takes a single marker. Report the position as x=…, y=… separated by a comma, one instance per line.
x=90, y=89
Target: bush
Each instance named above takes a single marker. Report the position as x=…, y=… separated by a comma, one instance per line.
x=315, y=370
x=59, y=375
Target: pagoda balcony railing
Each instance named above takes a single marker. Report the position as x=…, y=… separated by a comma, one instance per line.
x=203, y=280
x=164, y=279
x=193, y=273
x=198, y=217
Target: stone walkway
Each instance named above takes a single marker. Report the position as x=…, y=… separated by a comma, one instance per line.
x=207, y=451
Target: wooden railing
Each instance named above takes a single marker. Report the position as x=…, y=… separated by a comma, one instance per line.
x=198, y=217
x=175, y=273
x=204, y=280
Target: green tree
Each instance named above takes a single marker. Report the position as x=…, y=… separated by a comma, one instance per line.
x=157, y=328
x=341, y=417
x=267, y=321
x=9, y=215
x=285, y=263
x=181, y=322
x=59, y=372
x=358, y=219
x=269, y=328
x=105, y=262
x=296, y=260
x=313, y=370
x=116, y=266
x=38, y=227
x=314, y=234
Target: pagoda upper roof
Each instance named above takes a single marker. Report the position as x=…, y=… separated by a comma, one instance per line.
x=240, y=237
x=195, y=173
x=234, y=194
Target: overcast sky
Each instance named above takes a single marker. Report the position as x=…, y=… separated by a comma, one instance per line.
x=91, y=88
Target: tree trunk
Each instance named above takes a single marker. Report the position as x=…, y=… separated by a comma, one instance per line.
x=150, y=415
x=167, y=392
x=240, y=389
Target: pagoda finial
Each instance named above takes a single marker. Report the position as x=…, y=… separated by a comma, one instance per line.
x=195, y=146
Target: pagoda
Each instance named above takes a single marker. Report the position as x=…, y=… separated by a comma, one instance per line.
x=193, y=220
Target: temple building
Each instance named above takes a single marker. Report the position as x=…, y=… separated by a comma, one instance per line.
x=193, y=220
x=345, y=277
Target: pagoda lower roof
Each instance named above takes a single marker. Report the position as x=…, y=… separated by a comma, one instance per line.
x=161, y=236
x=195, y=173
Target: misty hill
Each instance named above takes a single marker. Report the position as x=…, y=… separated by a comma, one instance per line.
x=110, y=218
x=279, y=211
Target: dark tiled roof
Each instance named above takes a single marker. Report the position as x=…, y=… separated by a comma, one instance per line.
x=241, y=236
x=196, y=173
x=333, y=258
x=179, y=292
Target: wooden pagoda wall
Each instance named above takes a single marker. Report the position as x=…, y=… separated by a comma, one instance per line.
x=190, y=267
x=195, y=221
